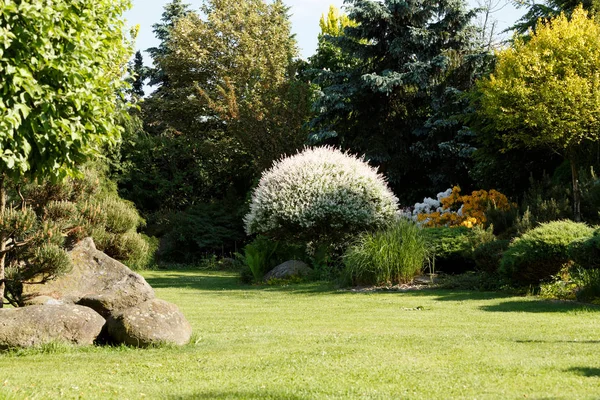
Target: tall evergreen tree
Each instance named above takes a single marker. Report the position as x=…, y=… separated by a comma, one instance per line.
x=396, y=102
x=139, y=73
x=162, y=30
x=549, y=9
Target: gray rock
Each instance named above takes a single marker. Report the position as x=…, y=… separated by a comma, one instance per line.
x=96, y=281
x=44, y=300
x=289, y=269
x=41, y=324
x=152, y=322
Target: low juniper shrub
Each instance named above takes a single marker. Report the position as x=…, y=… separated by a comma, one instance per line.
x=541, y=253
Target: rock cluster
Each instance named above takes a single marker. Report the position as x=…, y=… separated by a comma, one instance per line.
x=100, y=298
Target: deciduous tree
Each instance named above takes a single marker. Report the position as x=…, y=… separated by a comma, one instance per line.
x=546, y=91
x=236, y=63
x=61, y=67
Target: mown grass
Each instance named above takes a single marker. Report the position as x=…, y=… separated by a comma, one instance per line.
x=309, y=341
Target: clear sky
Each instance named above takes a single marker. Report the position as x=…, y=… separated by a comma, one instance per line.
x=305, y=20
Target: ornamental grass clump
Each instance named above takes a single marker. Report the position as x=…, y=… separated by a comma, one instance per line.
x=393, y=255
x=320, y=194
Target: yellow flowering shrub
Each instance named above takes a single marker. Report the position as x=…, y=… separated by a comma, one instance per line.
x=465, y=210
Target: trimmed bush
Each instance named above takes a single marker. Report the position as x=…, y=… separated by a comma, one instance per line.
x=586, y=252
x=320, y=194
x=389, y=256
x=121, y=215
x=542, y=252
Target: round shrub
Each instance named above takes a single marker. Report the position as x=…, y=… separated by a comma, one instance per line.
x=320, y=194
x=586, y=252
x=393, y=255
x=542, y=252
x=121, y=215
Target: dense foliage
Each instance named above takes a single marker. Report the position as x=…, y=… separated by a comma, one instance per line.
x=62, y=66
x=398, y=75
x=542, y=252
x=394, y=255
x=320, y=194
x=407, y=90
x=543, y=93
x=49, y=218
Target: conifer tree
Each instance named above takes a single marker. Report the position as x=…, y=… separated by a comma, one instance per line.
x=395, y=101
x=162, y=30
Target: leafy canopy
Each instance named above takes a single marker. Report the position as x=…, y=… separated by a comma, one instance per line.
x=61, y=64
x=235, y=65
x=546, y=91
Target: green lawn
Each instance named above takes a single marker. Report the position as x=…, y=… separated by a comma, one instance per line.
x=308, y=341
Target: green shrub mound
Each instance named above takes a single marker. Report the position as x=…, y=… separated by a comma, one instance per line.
x=542, y=252
x=320, y=194
x=586, y=252
x=389, y=256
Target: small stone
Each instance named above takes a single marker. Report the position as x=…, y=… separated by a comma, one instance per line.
x=289, y=269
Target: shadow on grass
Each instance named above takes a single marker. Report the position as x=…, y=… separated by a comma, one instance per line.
x=228, y=281
x=452, y=295
x=558, y=341
x=586, y=371
x=238, y=394
x=539, y=306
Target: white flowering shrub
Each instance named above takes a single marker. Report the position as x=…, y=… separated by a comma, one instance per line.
x=320, y=193
x=430, y=205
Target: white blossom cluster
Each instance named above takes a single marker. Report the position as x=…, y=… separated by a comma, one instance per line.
x=430, y=205
x=320, y=190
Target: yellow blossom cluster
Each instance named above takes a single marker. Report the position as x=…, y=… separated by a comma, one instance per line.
x=465, y=210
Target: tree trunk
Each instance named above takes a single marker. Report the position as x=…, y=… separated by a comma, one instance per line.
x=576, y=193
x=2, y=239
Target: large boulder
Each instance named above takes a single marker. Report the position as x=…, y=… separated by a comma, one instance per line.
x=41, y=324
x=152, y=322
x=289, y=269
x=96, y=281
